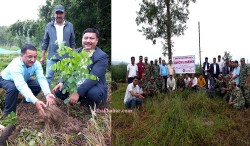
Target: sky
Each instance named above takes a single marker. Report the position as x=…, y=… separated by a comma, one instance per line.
x=13, y=10
x=224, y=26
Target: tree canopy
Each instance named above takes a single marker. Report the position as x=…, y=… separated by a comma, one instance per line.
x=163, y=19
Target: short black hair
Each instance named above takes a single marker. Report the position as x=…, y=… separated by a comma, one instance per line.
x=136, y=78
x=236, y=61
x=206, y=58
x=91, y=30
x=27, y=47
x=132, y=57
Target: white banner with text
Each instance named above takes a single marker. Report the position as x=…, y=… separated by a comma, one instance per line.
x=184, y=64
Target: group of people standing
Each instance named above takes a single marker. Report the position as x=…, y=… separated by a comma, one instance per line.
x=148, y=79
x=17, y=76
x=226, y=77
x=231, y=79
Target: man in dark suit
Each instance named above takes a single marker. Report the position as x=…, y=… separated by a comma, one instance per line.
x=90, y=91
x=214, y=69
x=226, y=68
x=205, y=68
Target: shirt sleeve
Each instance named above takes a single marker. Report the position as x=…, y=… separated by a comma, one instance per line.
x=41, y=79
x=45, y=43
x=174, y=86
x=21, y=84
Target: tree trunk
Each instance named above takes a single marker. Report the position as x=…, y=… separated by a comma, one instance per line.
x=169, y=30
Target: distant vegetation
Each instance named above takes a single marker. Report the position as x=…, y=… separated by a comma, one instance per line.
x=119, y=72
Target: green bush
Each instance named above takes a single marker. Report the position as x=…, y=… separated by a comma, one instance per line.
x=119, y=72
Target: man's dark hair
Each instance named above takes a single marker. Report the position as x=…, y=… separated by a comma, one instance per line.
x=136, y=78
x=140, y=56
x=236, y=61
x=91, y=30
x=27, y=47
x=206, y=58
x=132, y=58
x=219, y=56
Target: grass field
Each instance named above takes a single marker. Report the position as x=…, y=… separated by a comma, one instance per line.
x=179, y=118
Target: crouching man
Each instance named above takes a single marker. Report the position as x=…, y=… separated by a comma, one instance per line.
x=89, y=91
x=16, y=77
x=133, y=97
x=236, y=99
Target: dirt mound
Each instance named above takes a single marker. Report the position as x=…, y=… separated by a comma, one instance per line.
x=60, y=120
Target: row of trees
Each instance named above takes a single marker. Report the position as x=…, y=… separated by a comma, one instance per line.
x=83, y=14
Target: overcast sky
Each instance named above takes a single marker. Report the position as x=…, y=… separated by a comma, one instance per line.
x=13, y=10
x=225, y=26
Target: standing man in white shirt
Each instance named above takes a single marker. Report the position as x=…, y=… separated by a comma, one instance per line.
x=171, y=68
x=133, y=97
x=132, y=70
x=221, y=64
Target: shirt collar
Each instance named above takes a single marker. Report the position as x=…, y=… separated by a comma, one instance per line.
x=57, y=24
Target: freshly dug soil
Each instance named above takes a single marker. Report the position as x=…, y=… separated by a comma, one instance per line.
x=60, y=119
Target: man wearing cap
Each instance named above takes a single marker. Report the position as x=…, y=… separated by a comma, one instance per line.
x=227, y=89
x=146, y=70
x=160, y=84
x=151, y=87
x=219, y=84
x=144, y=83
x=141, y=67
x=245, y=80
x=57, y=32
x=156, y=69
x=236, y=98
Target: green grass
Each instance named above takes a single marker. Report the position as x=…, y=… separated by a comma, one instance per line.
x=179, y=118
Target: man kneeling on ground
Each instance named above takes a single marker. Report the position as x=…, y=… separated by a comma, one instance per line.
x=236, y=98
x=133, y=97
x=89, y=91
x=16, y=77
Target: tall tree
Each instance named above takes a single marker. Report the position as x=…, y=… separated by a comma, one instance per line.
x=163, y=19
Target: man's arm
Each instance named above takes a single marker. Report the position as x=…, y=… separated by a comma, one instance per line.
x=136, y=94
x=45, y=44
x=127, y=73
x=174, y=86
x=72, y=39
x=41, y=79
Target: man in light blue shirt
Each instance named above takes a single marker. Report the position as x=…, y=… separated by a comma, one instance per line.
x=16, y=77
x=236, y=73
x=164, y=72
